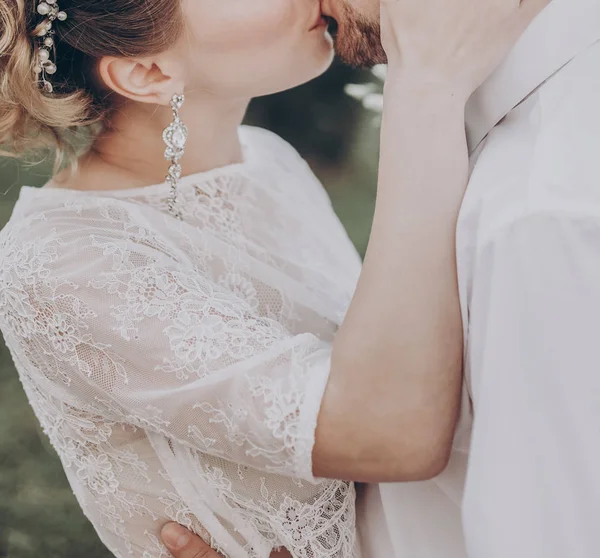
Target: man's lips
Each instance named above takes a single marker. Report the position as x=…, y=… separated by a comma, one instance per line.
x=326, y=17
x=319, y=21
x=327, y=11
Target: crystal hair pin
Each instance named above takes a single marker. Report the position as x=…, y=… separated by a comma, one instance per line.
x=46, y=50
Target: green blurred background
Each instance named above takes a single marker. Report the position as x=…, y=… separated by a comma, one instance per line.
x=39, y=516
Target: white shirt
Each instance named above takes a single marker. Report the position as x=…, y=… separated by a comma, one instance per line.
x=178, y=367
x=526, y=455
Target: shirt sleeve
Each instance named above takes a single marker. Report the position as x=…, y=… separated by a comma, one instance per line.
x=142, y=338
x=533, y=487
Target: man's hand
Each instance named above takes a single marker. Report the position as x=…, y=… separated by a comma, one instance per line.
x=185, y=544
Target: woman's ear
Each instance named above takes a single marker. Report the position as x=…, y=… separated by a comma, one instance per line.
x=144, y=81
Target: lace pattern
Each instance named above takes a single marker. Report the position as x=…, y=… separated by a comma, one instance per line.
x=177, y=367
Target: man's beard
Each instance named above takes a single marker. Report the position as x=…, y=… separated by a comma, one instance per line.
x=358, y=40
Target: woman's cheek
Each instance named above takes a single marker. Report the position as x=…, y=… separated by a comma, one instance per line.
x=253, y=23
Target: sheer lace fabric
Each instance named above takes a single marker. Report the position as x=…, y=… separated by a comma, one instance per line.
x=178, y=367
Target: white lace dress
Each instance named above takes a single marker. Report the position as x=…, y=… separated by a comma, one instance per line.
x=178, y=367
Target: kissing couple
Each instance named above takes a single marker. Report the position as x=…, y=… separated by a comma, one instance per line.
x=217, y=369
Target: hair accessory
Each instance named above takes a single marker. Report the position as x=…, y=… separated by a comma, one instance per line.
x=175, y=135
x=46, y=47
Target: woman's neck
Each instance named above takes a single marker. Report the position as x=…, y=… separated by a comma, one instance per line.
x=130, y=153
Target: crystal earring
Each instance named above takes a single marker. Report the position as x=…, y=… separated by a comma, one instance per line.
x=175, y=136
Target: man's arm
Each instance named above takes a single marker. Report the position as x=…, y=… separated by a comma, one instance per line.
x=533, y=487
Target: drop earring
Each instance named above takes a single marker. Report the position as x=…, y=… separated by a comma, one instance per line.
x=175, y=136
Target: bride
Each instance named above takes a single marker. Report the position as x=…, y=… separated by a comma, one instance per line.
x=205, y=347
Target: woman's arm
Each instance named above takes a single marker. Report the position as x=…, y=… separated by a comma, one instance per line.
x=392, y=401
x=391, y=404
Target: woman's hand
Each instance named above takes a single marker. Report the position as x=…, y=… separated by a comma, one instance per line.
x=452, y=44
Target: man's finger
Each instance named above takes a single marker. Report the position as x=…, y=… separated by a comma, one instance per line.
x=184, y=544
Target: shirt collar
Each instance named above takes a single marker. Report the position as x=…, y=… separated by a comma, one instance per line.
x=560, y=32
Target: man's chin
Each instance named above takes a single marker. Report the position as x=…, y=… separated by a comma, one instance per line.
x=358, y=57
x=358, y=41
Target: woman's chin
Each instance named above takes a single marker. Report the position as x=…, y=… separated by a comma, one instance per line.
x=318, y=69
x=304, y=73
x=317, y=57
x=326, y=55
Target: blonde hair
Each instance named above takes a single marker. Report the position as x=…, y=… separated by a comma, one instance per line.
x=65, y=122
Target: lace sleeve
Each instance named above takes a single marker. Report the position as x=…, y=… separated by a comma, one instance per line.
x=142, y=338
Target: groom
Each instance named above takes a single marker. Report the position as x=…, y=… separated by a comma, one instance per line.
x=524, y=477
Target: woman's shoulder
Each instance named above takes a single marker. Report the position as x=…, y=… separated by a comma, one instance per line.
x=73, y=229
x=38, y=211
x=262, y=137
x=270, y=144
x=271, y=149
